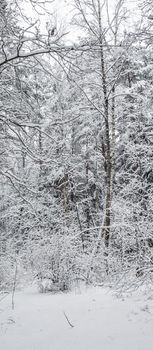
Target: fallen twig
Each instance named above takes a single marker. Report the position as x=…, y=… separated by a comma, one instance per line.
x=71, y=325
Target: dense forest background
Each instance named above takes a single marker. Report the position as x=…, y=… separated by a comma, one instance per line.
x=76, y=144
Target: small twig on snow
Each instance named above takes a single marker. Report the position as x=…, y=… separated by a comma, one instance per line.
x=71, y=325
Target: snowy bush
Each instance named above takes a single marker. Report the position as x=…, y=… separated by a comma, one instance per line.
x=6, y=273
x=53, y=262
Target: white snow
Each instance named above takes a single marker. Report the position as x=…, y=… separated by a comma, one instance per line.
x=101, y=320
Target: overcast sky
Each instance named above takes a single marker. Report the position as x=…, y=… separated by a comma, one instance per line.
x=63, y=12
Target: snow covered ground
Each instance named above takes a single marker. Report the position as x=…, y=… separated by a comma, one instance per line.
x=100, y=319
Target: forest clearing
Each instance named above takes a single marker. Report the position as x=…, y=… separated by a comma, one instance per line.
x=99, y=320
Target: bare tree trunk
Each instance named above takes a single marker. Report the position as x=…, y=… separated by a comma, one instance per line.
x=14, y=284
x=87, y=210
x=107, y=219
